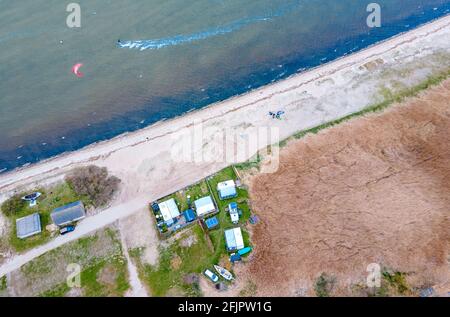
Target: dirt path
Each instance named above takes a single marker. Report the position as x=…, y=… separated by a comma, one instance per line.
x=372, y=190
x=136, y=287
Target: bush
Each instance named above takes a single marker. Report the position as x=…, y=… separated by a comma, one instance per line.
x=94, y=183
x=13, y=205
x=323, y=286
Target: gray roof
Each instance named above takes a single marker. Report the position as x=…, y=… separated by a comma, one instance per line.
x=28, y=226
x=69, y=213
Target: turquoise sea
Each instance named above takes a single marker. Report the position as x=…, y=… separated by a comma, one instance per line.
x=173, y=56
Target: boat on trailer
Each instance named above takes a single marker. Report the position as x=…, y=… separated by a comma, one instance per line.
x=223, y=272
x=32, y=198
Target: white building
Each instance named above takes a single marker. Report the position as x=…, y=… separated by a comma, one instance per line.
x=204, y=206
x=169, y=210
x=227, y=189
x=234, y=239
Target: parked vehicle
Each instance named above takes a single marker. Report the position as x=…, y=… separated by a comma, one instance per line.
x=155, y=207
x=234, y=257
x=66, y=229
x=213, y=277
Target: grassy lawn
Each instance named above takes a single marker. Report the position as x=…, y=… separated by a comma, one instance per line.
x=51, y=198
x=3, y=283
x=242, y=198
x=103, y=268
x=218, y=235
x=175, y=262
x=196, y=191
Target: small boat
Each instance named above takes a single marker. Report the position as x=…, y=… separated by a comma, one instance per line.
x=32, y=196
x=224, y=273
x=244, y=250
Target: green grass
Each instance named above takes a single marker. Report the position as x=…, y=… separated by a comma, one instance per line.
x=58, y=291
x=193, y=259
x=242, y=198
x=218, y=236
x=51, y=198
x=91, y=284
x=196, y=191
x=3, y=283
x=93, y=287
x=397, y=281
x=94, y=254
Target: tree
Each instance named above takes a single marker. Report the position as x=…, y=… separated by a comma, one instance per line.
x=94, y=183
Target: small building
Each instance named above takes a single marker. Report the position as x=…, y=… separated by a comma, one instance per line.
x=227, y=189
x=28, y=226
x=234, y=213
x=234, y=239
x=169, y=211
x=204, y=206
x=211, y=222
x=189, y=215
x=68, y=214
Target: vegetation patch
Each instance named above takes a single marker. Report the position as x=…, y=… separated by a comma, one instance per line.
x=98, y=255
x=94, y=183
x=3, y=283
x=324, y=285
x=51, y=198
x=189, y=260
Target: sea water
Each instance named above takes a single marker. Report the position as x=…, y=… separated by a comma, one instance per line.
x=173, y=56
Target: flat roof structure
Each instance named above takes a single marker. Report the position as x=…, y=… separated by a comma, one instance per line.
x=68, y=214
x=204, y=206
x=28, y=226
x=169, y=209
x=234, y=239
x=227, y=189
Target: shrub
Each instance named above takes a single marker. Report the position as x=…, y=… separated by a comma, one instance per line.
x=323, y=285
x=94, y=183
x=13, y=205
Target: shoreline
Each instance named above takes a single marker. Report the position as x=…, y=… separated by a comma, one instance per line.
x=100, y=151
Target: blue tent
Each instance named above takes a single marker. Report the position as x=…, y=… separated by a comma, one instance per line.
x=211, y=222
x=189, y=215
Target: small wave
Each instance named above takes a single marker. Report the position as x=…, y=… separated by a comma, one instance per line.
x=183, y=39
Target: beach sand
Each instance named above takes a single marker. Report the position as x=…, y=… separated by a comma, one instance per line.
x=148, y=161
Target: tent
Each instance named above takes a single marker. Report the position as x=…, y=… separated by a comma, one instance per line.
x=169, y=210
x=234, y=239
x=189, y=215
x=211, y=222
x=204, y=206
x=227, y=189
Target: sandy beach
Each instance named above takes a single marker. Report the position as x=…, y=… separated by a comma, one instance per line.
x=147, y=161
